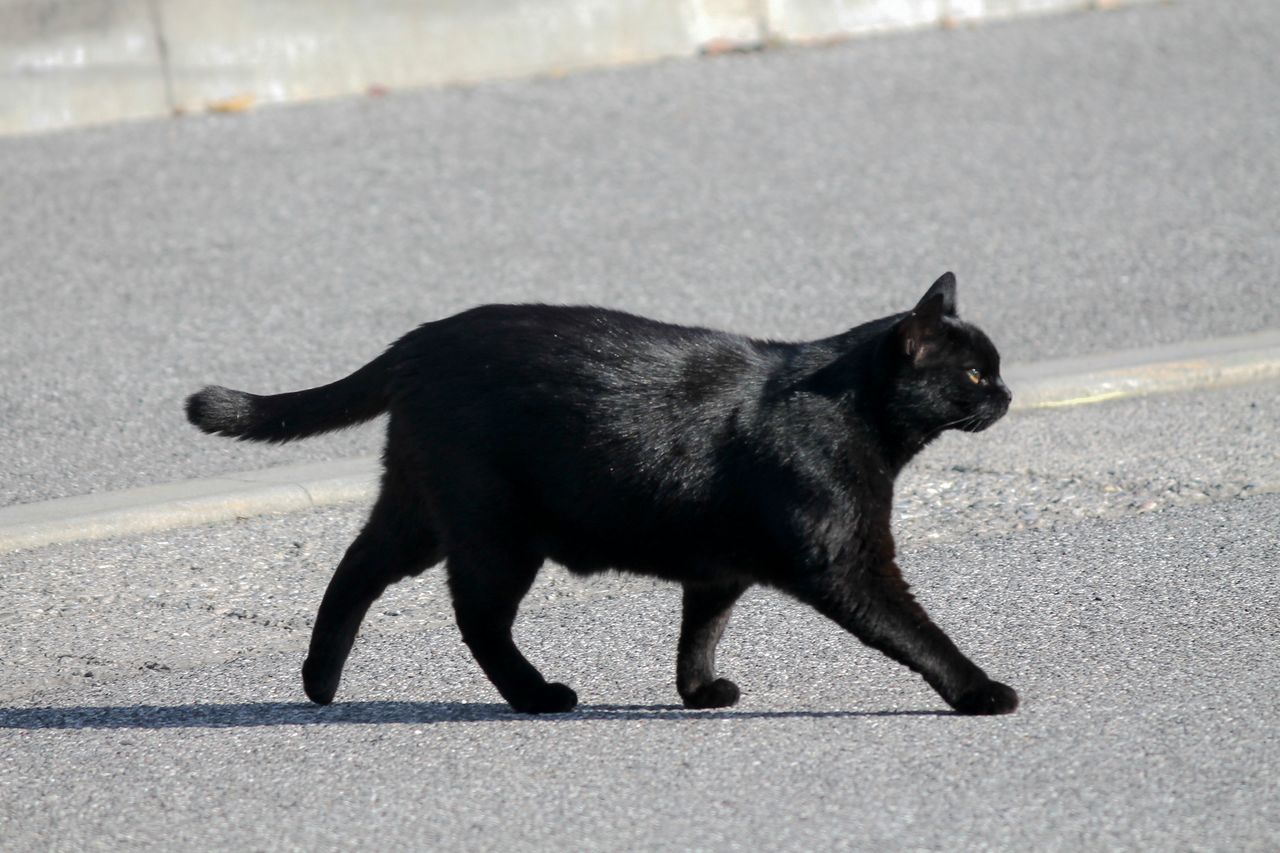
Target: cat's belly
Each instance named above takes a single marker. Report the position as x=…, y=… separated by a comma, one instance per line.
x=672, y=553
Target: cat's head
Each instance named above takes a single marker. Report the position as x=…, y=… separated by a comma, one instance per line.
x=946, y=371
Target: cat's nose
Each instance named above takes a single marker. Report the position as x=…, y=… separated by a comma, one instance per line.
x=1004, y=389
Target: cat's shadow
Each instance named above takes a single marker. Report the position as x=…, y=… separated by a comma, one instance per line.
x=251, y=714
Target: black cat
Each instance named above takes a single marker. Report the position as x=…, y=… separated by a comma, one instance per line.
x=603, y=440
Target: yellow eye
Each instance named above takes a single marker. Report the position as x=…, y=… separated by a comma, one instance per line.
x=974, y=374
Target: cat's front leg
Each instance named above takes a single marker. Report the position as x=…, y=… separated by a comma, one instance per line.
x=876, y=606
x=705, y=613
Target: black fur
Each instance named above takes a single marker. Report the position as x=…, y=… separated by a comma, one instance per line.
x=602, y=440
x=279, y=418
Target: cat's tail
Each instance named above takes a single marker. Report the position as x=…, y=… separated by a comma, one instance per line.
x=297, y=414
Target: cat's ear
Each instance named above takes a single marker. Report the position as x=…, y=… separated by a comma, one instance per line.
x=945, y=287
x=919, y=328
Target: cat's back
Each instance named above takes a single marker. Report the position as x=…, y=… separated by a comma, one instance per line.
x=597, y=350
x=581, y=391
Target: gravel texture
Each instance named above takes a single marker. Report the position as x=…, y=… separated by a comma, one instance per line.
x=1144, y=647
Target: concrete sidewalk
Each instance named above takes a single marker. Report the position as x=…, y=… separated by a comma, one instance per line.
x=74, y=62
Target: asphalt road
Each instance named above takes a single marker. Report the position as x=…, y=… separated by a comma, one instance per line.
x=1098, y=182
x=1126, y=586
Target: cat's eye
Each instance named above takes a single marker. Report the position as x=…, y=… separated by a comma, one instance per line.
x=974, y=374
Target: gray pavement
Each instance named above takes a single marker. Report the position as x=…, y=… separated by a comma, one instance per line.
x=1116, y=563
x=1145, y=649
x=1098, y=182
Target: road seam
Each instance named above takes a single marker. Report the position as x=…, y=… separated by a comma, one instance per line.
x=1042, y=386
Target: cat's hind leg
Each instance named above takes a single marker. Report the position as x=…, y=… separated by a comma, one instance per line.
x=397, y=541
x=488, y=582
x=706, y=611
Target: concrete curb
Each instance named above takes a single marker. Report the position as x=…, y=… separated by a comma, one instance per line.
x=1065, y=382
x=186, y=504
x=65, y=63
x=1176, y=367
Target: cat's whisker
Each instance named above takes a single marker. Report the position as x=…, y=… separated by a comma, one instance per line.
x=967, y=420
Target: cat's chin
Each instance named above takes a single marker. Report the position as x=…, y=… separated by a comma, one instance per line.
x=981, y=422
x=978, y=426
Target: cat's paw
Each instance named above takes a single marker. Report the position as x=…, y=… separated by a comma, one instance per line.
x=554, y=698
x=989, y=698
x=720, y=693
x=320, y=685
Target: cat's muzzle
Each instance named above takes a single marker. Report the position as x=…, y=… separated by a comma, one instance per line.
x=991, y=410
